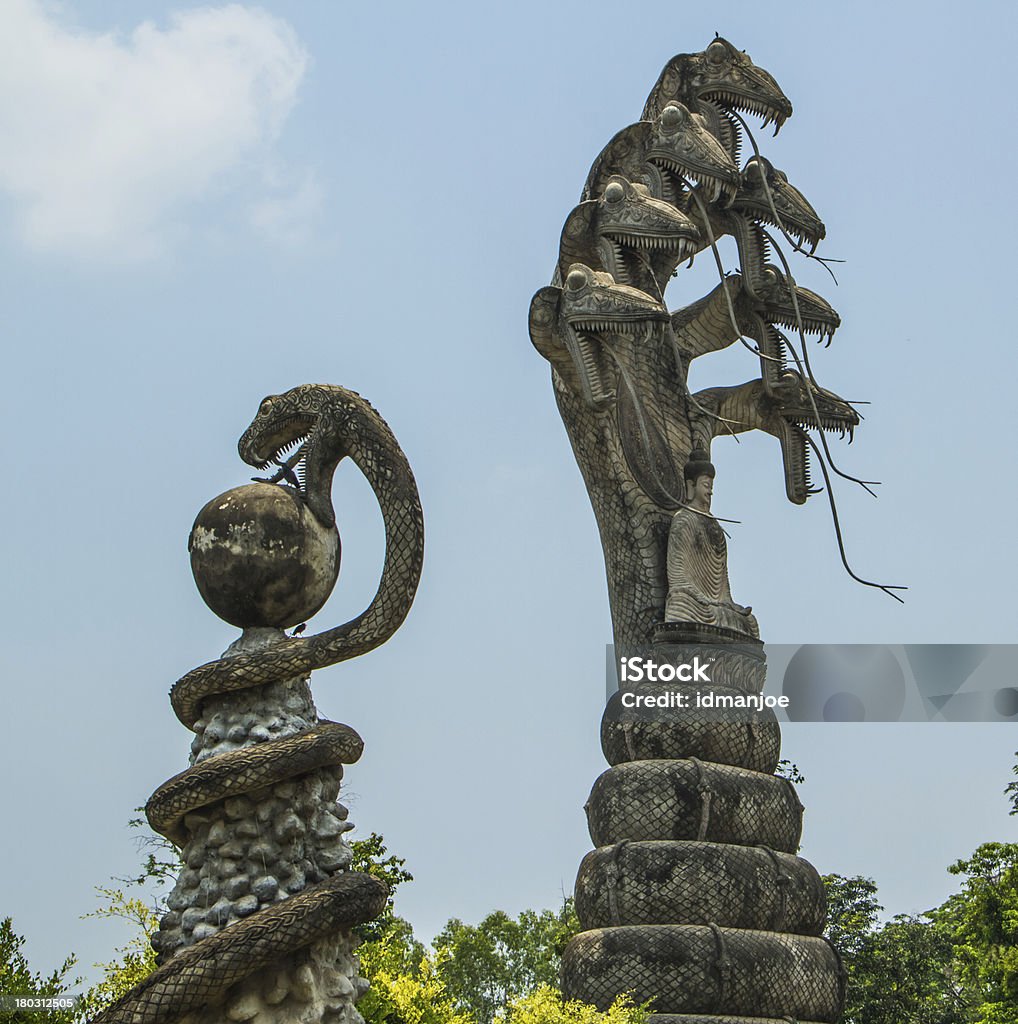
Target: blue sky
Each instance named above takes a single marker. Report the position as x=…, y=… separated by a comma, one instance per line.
x=202, y=205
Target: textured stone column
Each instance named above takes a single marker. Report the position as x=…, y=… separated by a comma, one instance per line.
x=256, y=849
x=694, y=898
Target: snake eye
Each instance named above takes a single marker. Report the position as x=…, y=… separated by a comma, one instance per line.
x=673, y=117
x=576, y=281
x=266, y=404
x=717, y=52
x=771, y=275
x=614, y=193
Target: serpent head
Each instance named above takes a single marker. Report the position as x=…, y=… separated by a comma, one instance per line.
x=681, y=146
x=818, y=315
x=722, y=76
x=570, y=326
x=665, y=152
x=636, y=238
x=789, y=408
x=797, y=216
x=307, y=425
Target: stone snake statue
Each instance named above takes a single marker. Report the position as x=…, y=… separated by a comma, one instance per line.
x=328, y=424
x=694, y=898
x=259, y=922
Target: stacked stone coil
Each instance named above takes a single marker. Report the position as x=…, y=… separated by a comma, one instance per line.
x=694, y=899
x=258, y=926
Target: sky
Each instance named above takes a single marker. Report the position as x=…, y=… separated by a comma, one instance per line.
x=201, y=205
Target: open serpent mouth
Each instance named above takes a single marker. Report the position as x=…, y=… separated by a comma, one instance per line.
x=632, y=252
x=588, y=335
x=675, y=175
x=285, y=447
x=795, y=452
x=747, y=105
x=821, y=328
x=802, y=407
x=803, y=235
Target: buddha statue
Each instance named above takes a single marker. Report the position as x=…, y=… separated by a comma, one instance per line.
x=698, y=589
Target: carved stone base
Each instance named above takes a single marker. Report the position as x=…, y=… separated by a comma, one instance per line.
x=695, y=899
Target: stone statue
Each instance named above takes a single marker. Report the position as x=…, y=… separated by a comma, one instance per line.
x=259, y=927
x=694, y=898
x=698, y=589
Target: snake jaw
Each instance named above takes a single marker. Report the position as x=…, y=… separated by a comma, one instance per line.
x=570, y=326
x=796, y=214
x=817, y=316
x=272, y=435
x=793, y=406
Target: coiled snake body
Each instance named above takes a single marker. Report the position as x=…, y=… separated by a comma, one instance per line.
x=264, y=904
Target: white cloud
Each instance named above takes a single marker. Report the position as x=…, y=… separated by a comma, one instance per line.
x=107, y=140
x=289, y=209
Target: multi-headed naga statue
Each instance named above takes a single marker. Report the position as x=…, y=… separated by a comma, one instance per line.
x=694, y=898
x=259, y=922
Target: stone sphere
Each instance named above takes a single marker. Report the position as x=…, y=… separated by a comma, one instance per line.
x=260, y=558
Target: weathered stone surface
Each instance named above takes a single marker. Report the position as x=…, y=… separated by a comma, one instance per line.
x=702, y=970
x=663, y=882
x=260, y=558
x=647, y=800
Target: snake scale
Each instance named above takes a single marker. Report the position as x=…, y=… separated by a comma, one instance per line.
x=208, y=809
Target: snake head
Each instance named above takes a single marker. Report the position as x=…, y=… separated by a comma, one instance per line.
x=303, y=430
x=682, y=147
x=789, y=409
x=639, y=233
x=817, y=315
x=723, y=76
x=572, y=325
x=636, y=238
x=796, y=215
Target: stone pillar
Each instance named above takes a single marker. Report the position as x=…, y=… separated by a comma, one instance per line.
x=694, y=898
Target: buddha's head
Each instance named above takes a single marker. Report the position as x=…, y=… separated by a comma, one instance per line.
x=699, y=476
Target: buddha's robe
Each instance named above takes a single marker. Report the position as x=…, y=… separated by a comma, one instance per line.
x=698, y=589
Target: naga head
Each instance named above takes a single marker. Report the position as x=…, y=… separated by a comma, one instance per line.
x=722, y=76
x=791, y=407
x=682, y=148
x=817, y=315
x=636, y=238
x=797, y=216
x=571, y=326
x=301, y=433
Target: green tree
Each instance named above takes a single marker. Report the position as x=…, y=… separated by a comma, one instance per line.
x=981, y=923
x=896, y=973
x=371, y=856
x=136, y=960
x=852, y=911
x=406, y=987
x=1011, y=789
x=486, y=966
x=545, y=1005
x=902, y=976
x=18, y=979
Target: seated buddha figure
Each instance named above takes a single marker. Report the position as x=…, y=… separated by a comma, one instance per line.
x=698, y=589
